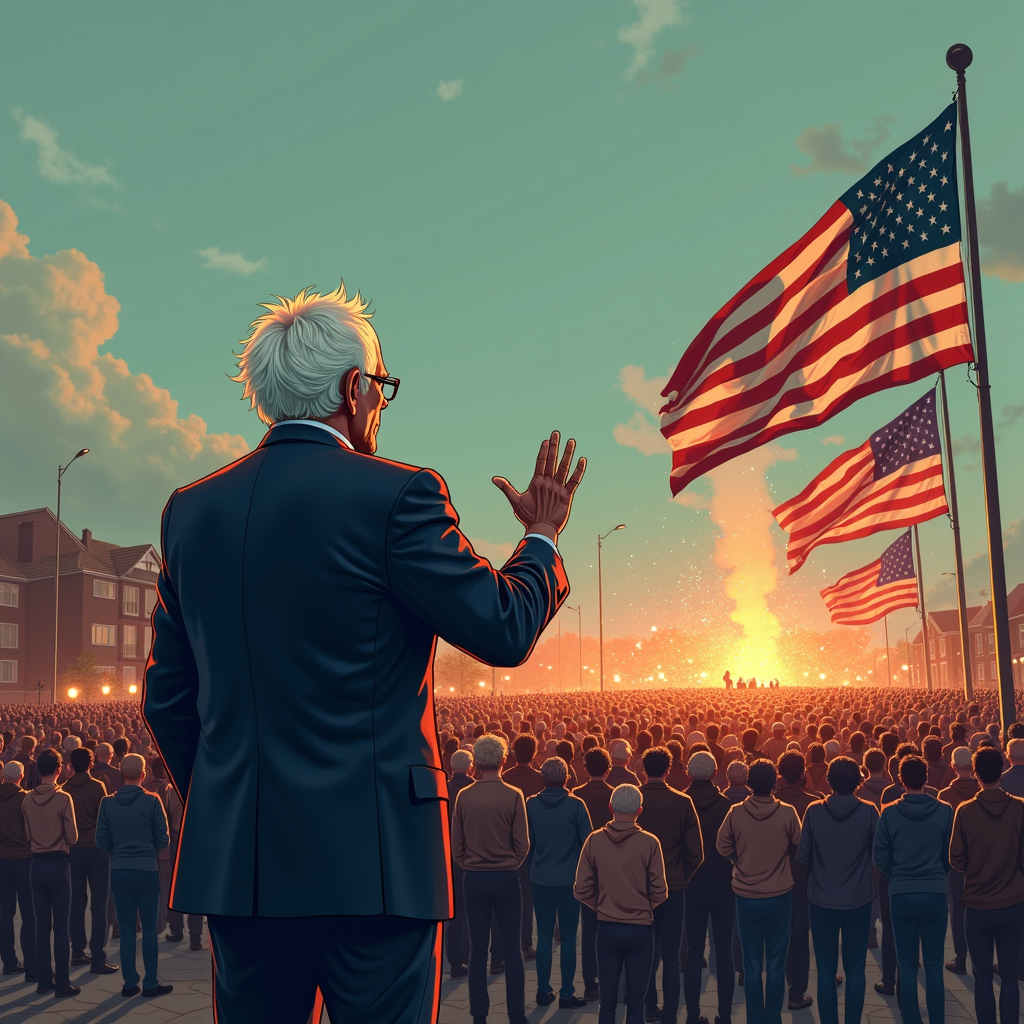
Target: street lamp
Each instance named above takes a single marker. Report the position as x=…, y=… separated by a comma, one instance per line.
x=579, y=616
x=61, y=470
x=600, y=604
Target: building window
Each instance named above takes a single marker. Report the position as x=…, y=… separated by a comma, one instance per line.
x=150, y=602
x=9, y=595
x=104, y=636
x=931, y=649
x=1020, y=636
x=942, y=647
x=131, y=600
x=981, y=671
x=148, y=641
x=8, y=671
x=991, y=643
x=993, y=667
x=128, y=640
x=106, y=670
x=128, y=673
x=944, y=673
x=105, y=589
x=979, y=643
x=8, y=634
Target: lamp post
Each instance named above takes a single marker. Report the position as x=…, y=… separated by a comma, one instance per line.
x=600, y=604
x=61, y=470
x=579, y=615
x=906, y=637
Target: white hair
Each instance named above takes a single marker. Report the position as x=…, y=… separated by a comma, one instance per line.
x=554, y=771
x=462, y=761
x=626, y=799
x=14, y=770
x=71, y=743
x=1015, y=751
x=133, y=766
x=489, y=751
x=297, y=353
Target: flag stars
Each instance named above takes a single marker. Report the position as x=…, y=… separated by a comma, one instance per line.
x=935, y=146
x=949, y=126
x=945, y=229
x=944, y=180
x=942, y=207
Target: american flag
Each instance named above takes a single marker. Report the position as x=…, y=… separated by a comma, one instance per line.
x=870, y=298
x=865, y=595
x=893, y=479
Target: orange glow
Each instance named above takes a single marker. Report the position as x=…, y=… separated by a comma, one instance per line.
x=72, y=693
x=106, y=690
x=133, y=688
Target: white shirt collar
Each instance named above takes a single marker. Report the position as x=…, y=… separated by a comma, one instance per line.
x=323, y=426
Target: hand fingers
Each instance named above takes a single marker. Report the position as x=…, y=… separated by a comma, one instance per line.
x=549, y=468
x=574, y=480
x=542, y=458
x=563, y=466
x=507, y=489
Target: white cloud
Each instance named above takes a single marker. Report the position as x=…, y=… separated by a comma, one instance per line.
x=496, y=554
x=830, y=154
x=56, y=163
x=641, y=432
x=833, y=439
x=232, y=262
x=449, y=90
x=60, y=391
x=653, y=17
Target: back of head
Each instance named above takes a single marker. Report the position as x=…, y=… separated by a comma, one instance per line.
x=81, y=759
x=750, y=738
x=960, y=758
x=488, y=752
x=857, y=742
x=913, y=771
x=49, y=762
x=816, y=753
x=597, y=762
x=1015, y=751
x=565, y=750
x=932, y=750
x=555, y=771
x=71, y=743
x=792, y=767
x=702, y=766
x=462, y=761
x=524, y=747
x=874, y=760
x=843, y=776
x=988, y=765
x=626, y=799
x=657, y=761
x=133, y=766
x=761, y=777
x=120, y=746
x=13, y=771
x=619, y=750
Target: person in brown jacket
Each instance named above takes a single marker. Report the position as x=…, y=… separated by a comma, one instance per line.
x=987, y=847
x=90, y=866
x=51, y=831
x=621, y=876
x=759, y=836
x=963, y=787
x=490, y=841
x=671, y=816
x=15, y=887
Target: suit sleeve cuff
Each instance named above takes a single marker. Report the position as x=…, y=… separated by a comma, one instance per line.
x=547, y=540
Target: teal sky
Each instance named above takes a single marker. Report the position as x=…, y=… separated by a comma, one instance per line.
x=533, y=195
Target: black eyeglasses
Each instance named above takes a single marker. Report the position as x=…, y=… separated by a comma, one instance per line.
x=388, y=385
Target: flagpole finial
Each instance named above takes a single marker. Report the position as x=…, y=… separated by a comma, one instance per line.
x=959, y=57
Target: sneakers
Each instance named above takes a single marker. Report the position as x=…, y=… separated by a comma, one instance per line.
x=572, y=1003
x=956, y=967
x=799, y=1002
x=160, y=990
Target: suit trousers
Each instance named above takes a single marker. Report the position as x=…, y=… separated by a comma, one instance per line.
x=709, y=899
x=764, y=931
x=629, y=947
x=588, y=947
x=137, y=892
x=457, y=931
x=381, y=969
x=668, y=938
x=955, y=893
x=526, y=887
x=798, y=960
x=489, y=893
x=1002, y=929
x=51, y=907
x=90, y=881
x=826, y=926
x=16, y=891
x=889, y=963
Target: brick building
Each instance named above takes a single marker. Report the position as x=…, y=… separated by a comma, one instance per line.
x=107, y=595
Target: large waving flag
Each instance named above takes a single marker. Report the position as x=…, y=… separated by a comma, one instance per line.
x=893, y=479
x=865, y=595
x=870, y=298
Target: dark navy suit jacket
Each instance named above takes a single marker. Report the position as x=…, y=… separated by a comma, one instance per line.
x=290, y=685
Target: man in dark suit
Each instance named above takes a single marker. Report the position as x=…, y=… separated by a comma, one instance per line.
x=457, y=944
x=290, y=685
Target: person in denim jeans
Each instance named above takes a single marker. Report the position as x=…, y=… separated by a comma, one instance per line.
x=132, y=827
x=912, y=850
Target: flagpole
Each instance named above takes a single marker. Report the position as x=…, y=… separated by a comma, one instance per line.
x=924, y=613
x=888, y=657
x=958, y=58
x=954, y=515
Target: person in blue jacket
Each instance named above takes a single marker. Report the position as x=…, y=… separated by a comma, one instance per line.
x=912, y=850
x=132, y=827
x=559, y=825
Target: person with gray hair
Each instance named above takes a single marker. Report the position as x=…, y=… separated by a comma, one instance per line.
x=102, y=770
x=737, y=791
x=490, y=840
x=307, y=531
x=457, y=930
x=15, y=884
x=621, y=875
x=963, y=787
x=559, y=825
x=1012, y=780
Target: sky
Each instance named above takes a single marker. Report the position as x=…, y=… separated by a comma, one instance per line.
x=544, y=203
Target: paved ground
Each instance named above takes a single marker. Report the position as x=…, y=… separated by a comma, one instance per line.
x=101, y=1001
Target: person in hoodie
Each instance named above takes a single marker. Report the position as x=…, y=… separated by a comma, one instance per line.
x=621, y=876
x=1012, y=780
x=963, y=787
x=15, y=887
x=51, y=831
x=758, y=836
x=90, y=866
x=132, y=827
x=912, y=850
x=836, y=846
x=559, y=825
x=709, y=896
x=669, y=815
x=987, y=848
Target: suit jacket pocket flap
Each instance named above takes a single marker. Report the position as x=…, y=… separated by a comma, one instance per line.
x=428, y=783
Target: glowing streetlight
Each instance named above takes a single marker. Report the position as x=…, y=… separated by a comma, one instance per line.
x=600, y=603
x=481, y=683
x=61, y=470
x=133, y=688
x=72, y=693
x=106, y=690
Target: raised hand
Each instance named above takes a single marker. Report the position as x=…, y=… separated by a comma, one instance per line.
x=545, y=505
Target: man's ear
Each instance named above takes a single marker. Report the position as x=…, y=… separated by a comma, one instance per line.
x=349, y=390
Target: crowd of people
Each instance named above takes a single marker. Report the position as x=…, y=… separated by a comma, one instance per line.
x=631, y=828
x=626, y=825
